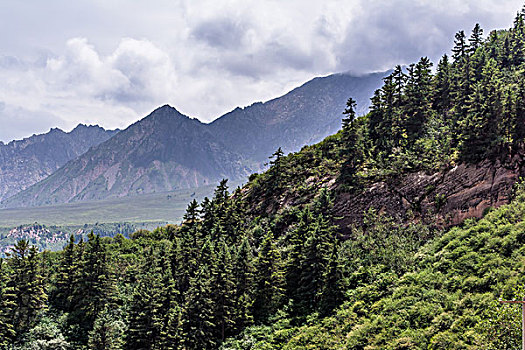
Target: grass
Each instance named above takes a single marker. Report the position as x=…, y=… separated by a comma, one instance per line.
x=156, y=207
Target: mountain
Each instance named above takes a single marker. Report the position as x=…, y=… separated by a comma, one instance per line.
x=25, y=162
x=401, y=231
x=304, y=116
x=167, y=151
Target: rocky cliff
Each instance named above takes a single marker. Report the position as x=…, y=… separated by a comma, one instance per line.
x=447, y=197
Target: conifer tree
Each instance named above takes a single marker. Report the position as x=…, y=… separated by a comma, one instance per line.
x=351, y=149
x=441, y=91
x=145, y=319
x=108, y=332
x=197, y=314
x=269, y=279
x=276, y=168
x=27, y=286
x=61, y=297
x=7, y=330
x=314, y=263
x=293, y=265
x=476, y=38
x=333, y=289
x=243, y=275
x=418, y=98
x=223, y=291
x=93, y=286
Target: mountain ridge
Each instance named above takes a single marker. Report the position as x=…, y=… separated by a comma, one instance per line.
x=29, y=160
x=184, y=152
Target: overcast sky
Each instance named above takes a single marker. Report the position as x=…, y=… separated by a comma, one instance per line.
x=112, y=62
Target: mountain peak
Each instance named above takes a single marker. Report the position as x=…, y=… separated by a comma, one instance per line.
x=166, y=109
x=167, y=113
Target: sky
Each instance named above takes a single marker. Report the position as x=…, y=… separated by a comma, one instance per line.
x=111, y=62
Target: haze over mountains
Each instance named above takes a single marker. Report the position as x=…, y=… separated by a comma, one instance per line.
x=167, y=150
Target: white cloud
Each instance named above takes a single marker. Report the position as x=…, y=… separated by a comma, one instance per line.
x=112, y=62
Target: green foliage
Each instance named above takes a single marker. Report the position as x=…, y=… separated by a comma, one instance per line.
x=266, y=268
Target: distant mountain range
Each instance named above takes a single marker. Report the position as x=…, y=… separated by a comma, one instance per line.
x=167, y=150
x=25, y=162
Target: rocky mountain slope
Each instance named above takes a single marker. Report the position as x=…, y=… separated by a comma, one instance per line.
x=304, y=116
x=167, y=151
x=164, y=151
x=25, y=162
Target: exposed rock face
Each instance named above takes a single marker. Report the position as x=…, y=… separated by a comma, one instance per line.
x=25, y=162
x=448, y=197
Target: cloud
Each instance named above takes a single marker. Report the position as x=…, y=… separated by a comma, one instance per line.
x=23, y=122
x=110, y=63
x=135, y=72
x=221, y=33
x=383, y=34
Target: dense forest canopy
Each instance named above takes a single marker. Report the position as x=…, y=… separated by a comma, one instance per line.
x=234, y=276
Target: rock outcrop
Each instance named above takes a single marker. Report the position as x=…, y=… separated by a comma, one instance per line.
x=446, y=198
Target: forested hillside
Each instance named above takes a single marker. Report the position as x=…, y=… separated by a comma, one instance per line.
x=274, y=265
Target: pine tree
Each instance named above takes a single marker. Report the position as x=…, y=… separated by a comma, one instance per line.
x=418, y=98
x=108, y=332
x=197, y=314
x=27, y=285
x=334, y=286
x=314, y=263
x=441, y=96
x=93, y=286
x=476, y=38
x=61, y=297
x=145, y=319
x=295, y=254
x=350, y=148
x=223, y=291
x=460, y=49
x=269, y=279
x=484, y=113
x=243, y=275
x=7, y=330
x=276, y=168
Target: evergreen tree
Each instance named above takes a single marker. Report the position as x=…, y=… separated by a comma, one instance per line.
x=27, y=286
x=350, y=148
x=243, y=275
x=108, y=332
x=197, y=315
x=93, y=286
x=314, y=263
x=334, y=286
x=418, y=99
x=223, y=292
x=145, y=319
x=269, y=279
x=63, y=292
x=276, y=167
x=476, y=38
x=442, y=98
x=7, y=330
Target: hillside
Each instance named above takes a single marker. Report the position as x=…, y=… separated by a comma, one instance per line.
x=167, y=151
x=25, y=162
x=401, y=231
